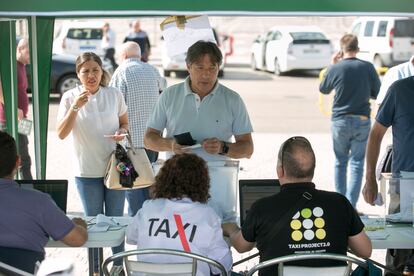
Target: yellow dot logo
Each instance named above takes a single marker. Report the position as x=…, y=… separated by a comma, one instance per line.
x=320, y=234
x=297, y=235
x=319, y=222
x=306, y=213
x=295, y=224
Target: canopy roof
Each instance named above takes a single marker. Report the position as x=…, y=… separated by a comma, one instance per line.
x=72, y=8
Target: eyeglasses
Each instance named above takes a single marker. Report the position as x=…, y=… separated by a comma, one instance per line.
x=288, y=142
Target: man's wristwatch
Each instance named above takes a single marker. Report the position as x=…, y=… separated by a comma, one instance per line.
x=75, y=108
x=224, y=149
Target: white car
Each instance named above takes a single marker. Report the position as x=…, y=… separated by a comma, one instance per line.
x=76, y=37
x=385, y=41
x=177, y=63
x=287, y=48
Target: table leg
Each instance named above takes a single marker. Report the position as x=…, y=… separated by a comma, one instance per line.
x=100, y=254
x=90, y=261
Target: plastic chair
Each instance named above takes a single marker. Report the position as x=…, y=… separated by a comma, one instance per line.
x=22, y=259
x=8, y=270
x=186, y=268
x=306, y=270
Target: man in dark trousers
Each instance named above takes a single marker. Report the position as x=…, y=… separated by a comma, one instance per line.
x=355, y=82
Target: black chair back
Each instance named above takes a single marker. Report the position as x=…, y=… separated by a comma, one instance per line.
x=21, y=258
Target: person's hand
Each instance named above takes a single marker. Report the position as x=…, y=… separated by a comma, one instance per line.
x=212, y=145
x=82, y=98
x=80, y=222
x=179, y=149
x=20, y=114
x=336, y=57
x=370, y=190
x=120, y=134
x=229, y=228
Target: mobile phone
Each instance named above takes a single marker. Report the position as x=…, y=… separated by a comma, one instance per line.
x=184, y=139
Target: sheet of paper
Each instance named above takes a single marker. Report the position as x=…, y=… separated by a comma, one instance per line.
x=98, y=228
x=196, y=146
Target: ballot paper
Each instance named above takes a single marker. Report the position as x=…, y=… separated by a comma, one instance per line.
x=103, y=223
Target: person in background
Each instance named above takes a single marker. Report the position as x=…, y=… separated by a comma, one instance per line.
x=29, y=217
x=108, y=44
x=398, y=72
x=325, y=223
x=180, y=195
x=90, y=112
x=23, y=58
x=141, y=84
x=139, y=36
x=355, y=82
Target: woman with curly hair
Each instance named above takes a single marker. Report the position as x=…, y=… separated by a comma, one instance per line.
x=180, y=198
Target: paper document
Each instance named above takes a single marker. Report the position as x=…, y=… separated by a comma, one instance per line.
x=196, y=146
x=104, y=223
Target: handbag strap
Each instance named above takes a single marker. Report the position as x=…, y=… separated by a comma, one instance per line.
x=181, y=233
x=131, y=145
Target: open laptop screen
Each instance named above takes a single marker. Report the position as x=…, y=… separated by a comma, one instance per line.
x=250, y=190
x=57, y=189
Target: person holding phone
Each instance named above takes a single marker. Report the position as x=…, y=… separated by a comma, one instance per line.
x=355, y=82
x=89, y=112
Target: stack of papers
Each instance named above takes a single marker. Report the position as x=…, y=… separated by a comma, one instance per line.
x=103, y=224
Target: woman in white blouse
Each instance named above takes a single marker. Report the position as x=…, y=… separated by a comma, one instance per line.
x=92, y=112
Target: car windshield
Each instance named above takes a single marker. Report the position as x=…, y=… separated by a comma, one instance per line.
x=404, y=28
x=85, y=33
x=309, y=37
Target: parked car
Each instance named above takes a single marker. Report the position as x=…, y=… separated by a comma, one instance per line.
x=63, y=73
x=76, y=37
x=287, y=48
x=385, y=41
x=177, y=63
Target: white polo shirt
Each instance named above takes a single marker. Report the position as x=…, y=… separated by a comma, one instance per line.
x=221, y=114
x=154, y=226
x=100, y=116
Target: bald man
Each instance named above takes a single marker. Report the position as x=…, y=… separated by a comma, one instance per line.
x=140, y=83
x=139, y=36
x=323, y=222
x=23, y=58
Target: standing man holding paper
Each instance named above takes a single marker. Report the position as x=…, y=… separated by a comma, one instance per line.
x=213, y=114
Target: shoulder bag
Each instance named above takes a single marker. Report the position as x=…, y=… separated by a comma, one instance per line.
x=136, y=159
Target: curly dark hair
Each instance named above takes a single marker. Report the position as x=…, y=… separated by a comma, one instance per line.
x=183, y=175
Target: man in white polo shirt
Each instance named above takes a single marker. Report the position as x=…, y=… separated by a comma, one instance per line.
x=211, y=112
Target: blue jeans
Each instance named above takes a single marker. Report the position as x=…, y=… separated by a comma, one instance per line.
x=350, y=135
x=97, y=199
x=137, y=197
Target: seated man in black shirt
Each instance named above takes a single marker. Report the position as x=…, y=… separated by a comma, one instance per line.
x=327, y=223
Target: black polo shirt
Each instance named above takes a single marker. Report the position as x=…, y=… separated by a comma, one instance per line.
x=322, y=225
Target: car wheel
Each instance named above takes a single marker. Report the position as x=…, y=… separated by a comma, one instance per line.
x=277, y=68
x=378, y=62
x=253, y=63
x=167, y=73
x=67, y=82
x=221, y=73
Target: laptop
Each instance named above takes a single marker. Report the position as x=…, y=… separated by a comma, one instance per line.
x=57, y=189
x=251, y=190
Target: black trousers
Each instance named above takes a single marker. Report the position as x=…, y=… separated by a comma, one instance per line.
x=26, y=162
x=109, y=54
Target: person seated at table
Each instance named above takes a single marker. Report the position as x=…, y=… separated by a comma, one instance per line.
x=29, y=217
x=326, y=223
x=180, y=199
